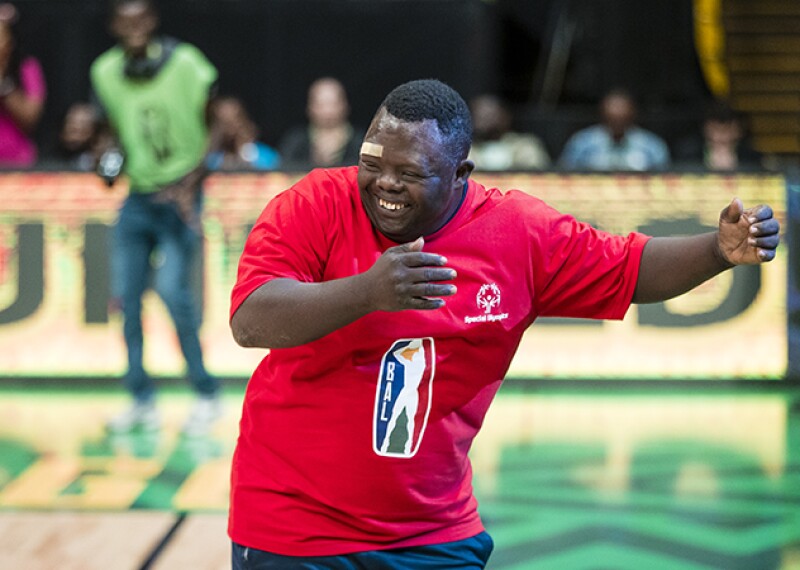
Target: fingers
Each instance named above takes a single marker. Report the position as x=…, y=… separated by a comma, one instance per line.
x=412, y=255
x=421, y=286
x=421, y=295
x=768, y=227
x=732, y=211
x=423, y=259
x=759, y=213
x=416, y=277
x=424, y=267
x=415, y=245
x=425, y=304
x=764, y=232
x=765, y=238
x=163, y=195
x=429, y=276
x=430, y=294
x=765, y=254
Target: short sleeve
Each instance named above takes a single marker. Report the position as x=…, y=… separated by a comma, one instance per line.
x=205, y=70
x=200, y=75
x=587, y=273
x=287, y=241
x=32, y=78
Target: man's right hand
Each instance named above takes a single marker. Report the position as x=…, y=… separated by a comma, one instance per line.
x=405, y=277
x=284, y=312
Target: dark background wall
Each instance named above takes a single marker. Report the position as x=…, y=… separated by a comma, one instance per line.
x=268, y=51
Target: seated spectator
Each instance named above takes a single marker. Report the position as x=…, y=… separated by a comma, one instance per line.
x=329, y=139
x=76, y=145
x=22, y=95
x=617, y=142
x=722, y=145
x=496, y=146
x=237, y=139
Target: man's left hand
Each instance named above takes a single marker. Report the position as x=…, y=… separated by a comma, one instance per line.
x=747, y=236
x=183, y=193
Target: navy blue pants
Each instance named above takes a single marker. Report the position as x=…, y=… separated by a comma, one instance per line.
x=469, y=554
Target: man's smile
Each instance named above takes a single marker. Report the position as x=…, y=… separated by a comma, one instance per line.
x=393, y=206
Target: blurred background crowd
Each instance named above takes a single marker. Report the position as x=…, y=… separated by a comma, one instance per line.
x=576, y=86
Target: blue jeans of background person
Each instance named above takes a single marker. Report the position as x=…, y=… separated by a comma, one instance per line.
x=144, y=228
x=469, y=554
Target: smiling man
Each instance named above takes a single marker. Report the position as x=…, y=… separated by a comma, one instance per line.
x=398, y=274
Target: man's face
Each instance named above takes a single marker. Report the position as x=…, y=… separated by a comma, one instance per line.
x=409, y=186
x=722, y=132
x=78, y=128
x=232, y=121
x=133, y=25
x=618, y=114
x=489, y=120
x=327, y=104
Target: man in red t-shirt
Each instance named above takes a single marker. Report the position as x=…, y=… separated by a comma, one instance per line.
x=403, y=275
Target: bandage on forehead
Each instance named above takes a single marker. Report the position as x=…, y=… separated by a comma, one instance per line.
x=372, y=149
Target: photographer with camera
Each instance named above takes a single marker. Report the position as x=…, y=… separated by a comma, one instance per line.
x=154, y=92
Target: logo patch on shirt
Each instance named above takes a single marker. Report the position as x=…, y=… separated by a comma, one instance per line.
x=488, y=301
x=403, y=397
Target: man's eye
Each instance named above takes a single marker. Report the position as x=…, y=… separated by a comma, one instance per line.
x=411, y=176
x=370, y=166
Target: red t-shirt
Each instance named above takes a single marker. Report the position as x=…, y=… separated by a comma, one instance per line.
x=359, y=440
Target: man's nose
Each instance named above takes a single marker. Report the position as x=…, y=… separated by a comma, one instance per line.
x=390, y=182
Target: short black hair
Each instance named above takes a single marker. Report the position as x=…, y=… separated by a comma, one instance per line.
x=422, y=99
x=115, y=5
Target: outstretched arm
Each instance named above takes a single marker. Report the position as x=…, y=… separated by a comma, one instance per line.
x=674, y=265
x=284, y=313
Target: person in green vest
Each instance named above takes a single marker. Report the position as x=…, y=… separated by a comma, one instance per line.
x=154, y=91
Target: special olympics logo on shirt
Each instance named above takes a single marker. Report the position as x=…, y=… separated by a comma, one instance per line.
x=488, y=300
x=403, y=397
x=488, y=297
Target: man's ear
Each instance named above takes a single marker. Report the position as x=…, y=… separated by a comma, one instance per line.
x=464, y=169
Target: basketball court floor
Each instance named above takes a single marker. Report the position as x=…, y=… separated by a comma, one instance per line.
x=569, y=477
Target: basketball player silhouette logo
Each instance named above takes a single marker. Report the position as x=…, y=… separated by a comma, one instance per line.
x=403, y=397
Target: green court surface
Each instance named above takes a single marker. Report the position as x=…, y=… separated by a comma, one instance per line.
x=567, y=478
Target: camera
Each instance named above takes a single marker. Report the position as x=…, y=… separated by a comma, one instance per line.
x=109, y=166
